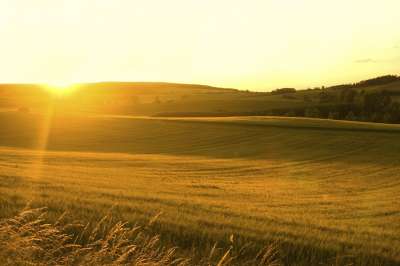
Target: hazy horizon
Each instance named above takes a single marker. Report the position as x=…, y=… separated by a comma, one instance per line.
x=65, y=85
x=255, y=45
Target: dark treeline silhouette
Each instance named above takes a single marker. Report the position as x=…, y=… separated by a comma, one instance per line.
x=350, y=104
x=369, y=82
x=360, y=101
x=283, y=91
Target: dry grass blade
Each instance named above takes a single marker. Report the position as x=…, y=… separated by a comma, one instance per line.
x=28, y=239
x=225, y=259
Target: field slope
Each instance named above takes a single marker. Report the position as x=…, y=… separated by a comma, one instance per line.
x=325, y=191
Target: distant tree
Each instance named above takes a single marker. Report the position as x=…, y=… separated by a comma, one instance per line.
x=375, y=117
x=283, y=91
x=290, y=113
x=333, y=115
x=387, y=118
x=377, y=81
x=376, y=102
x=307, y=98
x=325, y=97
x=341, y=87
x=312, y=112
x=350, y=116
x=391, y=113
x=348, y=95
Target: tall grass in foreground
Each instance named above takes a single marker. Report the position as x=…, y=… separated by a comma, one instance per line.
x=28, y=239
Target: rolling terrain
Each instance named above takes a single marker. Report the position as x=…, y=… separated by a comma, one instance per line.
x=325, y=191
x=171, y=99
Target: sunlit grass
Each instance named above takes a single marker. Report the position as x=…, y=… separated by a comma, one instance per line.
x=29, y=239
x=322, y=194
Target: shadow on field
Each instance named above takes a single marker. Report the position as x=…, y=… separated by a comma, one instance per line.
x=207, y=139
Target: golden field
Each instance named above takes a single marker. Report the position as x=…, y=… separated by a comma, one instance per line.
x=323, y=191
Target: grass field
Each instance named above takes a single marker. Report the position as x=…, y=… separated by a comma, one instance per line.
x=325, y=191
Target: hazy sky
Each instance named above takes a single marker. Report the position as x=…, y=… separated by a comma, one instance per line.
x=248, y=44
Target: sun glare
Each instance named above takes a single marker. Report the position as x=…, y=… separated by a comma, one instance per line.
x=59, y=87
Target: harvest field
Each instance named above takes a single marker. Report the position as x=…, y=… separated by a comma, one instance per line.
x=325, y=192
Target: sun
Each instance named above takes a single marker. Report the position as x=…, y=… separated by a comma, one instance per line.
x=60, y=87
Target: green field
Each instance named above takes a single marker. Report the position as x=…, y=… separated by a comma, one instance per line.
x=325, y=191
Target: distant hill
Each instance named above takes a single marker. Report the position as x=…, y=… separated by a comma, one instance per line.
x=374, y=99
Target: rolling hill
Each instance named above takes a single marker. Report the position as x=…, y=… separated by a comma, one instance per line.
x=215, y=162
x=168, y=99
x=324, y=190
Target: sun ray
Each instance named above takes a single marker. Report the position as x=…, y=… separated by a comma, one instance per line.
x=35, y=170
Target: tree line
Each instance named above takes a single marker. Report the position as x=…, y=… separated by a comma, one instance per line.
x=350, y=104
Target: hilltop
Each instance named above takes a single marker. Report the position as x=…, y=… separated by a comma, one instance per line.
x=374, y=100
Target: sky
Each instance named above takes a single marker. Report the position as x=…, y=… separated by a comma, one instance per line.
x=245, y=44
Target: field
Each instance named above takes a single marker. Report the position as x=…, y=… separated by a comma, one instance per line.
x=324, y=191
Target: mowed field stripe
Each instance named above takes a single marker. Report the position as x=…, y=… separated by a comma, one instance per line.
x=330, y=190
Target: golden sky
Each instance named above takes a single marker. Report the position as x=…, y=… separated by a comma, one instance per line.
x=247, y=44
